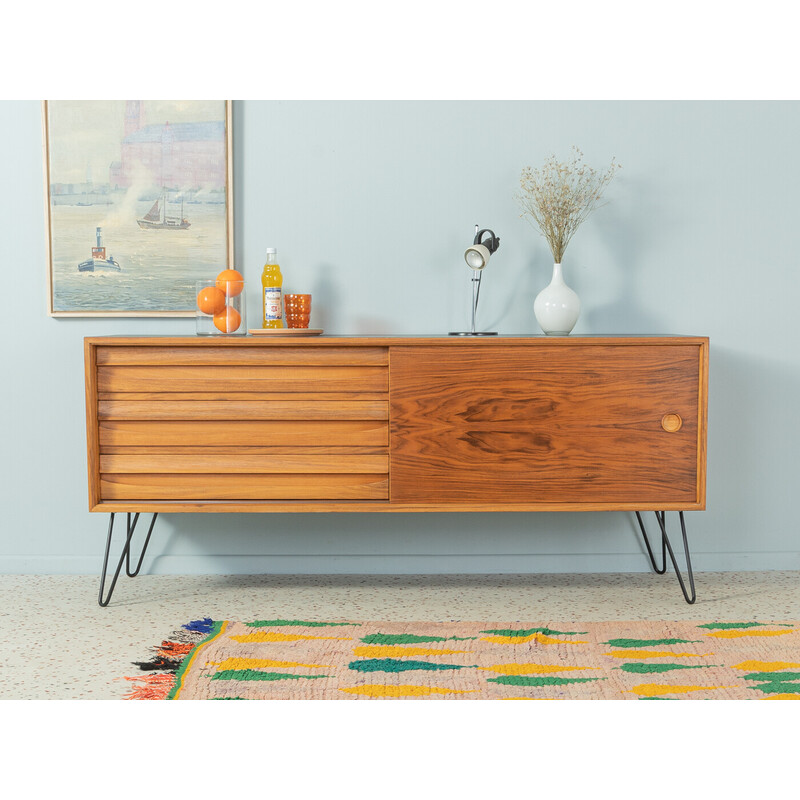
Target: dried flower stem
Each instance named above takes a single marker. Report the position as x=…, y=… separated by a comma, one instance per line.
x=558, y=197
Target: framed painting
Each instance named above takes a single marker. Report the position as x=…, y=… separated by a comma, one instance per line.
x=139, y=204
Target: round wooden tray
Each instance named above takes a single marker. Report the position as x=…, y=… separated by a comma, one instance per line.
x=285, y=331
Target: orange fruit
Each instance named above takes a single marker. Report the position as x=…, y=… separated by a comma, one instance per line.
x=228, y=320
x=211, y=300
x=230, y=282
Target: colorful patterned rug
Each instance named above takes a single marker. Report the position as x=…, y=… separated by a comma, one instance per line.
x=289, y=659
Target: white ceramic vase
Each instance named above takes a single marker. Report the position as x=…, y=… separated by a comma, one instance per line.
x=557, y=307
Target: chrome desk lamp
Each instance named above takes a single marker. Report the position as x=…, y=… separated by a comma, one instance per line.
x=477, y=257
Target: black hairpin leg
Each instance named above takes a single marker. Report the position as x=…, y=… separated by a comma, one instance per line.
x=660, y=518
x=666, y=546
x=124, y=557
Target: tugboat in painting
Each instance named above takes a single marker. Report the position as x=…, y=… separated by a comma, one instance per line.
x=158, y=218
x=98, y=261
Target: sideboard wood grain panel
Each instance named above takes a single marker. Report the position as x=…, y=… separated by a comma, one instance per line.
x=171, y=486
x=283, y=409
x=234, y=434
x=258, y=463
x=536, y=424
x=292, y=356
x=242, y=379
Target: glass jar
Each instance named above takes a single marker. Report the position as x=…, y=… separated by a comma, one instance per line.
x=220, y=308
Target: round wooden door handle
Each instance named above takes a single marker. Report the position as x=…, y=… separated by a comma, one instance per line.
x=671, y=422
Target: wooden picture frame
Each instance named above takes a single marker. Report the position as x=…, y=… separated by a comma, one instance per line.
x=139, y=204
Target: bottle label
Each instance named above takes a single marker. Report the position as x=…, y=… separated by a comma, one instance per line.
x=272, y=303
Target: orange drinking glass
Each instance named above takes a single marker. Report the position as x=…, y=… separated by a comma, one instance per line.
x=297, y=310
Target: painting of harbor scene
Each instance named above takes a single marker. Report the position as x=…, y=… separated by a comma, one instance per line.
x=139, y=204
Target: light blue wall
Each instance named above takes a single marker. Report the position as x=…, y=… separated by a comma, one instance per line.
x=370, y=205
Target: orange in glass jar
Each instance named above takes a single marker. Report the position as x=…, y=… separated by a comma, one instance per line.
x=211, y=300
x=228, y=320
x=230, y=281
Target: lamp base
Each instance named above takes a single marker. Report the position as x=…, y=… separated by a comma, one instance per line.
x=472, y=333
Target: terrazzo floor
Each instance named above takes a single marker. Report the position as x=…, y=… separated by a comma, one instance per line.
x=56, y=643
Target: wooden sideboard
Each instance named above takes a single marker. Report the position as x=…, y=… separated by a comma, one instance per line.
x=318, y=424
x=302, y=424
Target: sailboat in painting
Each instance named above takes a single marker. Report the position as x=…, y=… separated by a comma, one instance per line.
x=159, y=218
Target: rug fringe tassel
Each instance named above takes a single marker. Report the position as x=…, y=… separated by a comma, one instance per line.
x=159, y=663
x=155, y=687
x=164, y=665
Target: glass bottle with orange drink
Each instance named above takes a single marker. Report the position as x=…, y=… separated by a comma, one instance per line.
x=271, y=282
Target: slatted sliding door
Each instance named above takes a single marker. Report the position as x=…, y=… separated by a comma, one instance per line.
x=234, y=423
